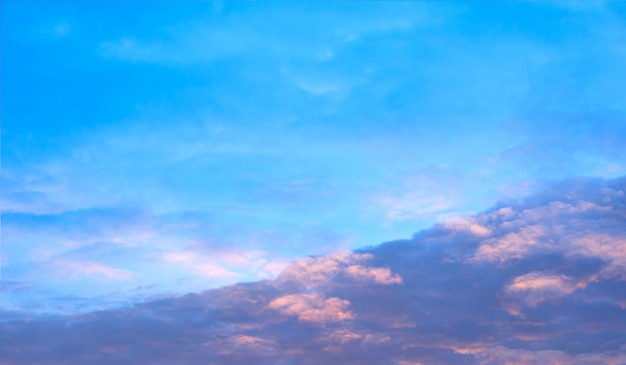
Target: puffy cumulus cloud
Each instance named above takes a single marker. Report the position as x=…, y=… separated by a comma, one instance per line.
x=313, y=307
x=468, y=225
x=536, y=287
x=378, y=275
x=583, y=219
x=534, y=281
x=607, y=247
x=319, y=271
x=512, y=245
x=313, y=271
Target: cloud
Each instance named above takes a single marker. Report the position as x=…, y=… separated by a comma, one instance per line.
x=318, y=271
x=536, y=287
x=466, y=224
x=503, y=355
x=607, y=247
x=549, y=289
x=72, y=253
x=79, y=268
x=378, y=275
x=337, y=340
x=195, y=41
x=286, y=169
x=511, y=246
x=212, y=270
x=312, y=307
x=225, y=263
x=242, y=343
x=562, y=226
x=414, y=205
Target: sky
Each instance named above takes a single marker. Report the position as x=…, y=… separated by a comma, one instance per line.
x=403, y=183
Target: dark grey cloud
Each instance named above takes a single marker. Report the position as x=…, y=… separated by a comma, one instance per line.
x=539, y=280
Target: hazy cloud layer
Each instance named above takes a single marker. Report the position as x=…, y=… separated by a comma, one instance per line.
x=540, y=280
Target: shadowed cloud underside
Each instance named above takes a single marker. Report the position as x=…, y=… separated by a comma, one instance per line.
x=535, y=281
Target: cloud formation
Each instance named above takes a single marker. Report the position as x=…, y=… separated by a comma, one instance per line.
x=540, y=280
x=90, y=268
x=316, y=271
x=536, y=287
x=312, y=307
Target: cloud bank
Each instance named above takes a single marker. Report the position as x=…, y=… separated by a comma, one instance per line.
x=539, y=280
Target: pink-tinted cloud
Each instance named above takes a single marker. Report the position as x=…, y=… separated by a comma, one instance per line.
x=468, y=225
x=212, y=270
x=536, y=287
x=378, y=275
x=319, y=271
x=313, y=307
x=226, y=263
x=313, y=271
x=241, y=343
x=502, y=355
x=538, y=281
x=604, y=246
x=81, y=268
x=513, y=245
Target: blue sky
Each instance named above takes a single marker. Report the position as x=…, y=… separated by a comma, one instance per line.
x=157, y=149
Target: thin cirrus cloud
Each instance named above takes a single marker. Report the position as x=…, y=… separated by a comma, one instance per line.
x=433, y=299
x=77, y=268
